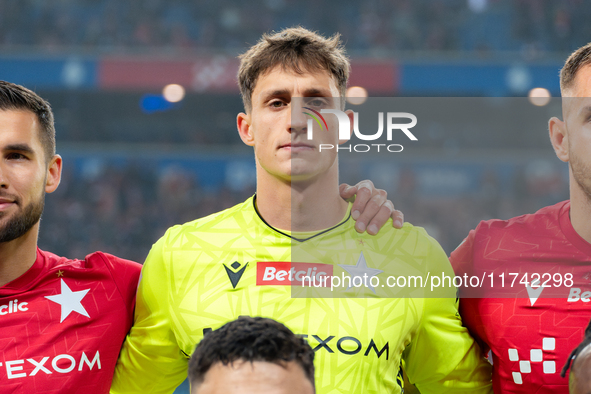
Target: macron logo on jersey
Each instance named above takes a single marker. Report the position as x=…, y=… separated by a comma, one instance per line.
x=535, y=291
x=284, y=273
x=234, y=274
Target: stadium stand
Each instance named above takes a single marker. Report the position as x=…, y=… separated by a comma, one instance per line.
x=377, y=25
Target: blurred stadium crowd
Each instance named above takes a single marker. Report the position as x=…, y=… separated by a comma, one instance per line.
x=532, y=26
x=123, y=211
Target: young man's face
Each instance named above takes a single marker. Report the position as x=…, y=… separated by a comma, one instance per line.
x=571, y=138
x=258, y=377
x=277, y=127
x=578, y=125
x=25, y=175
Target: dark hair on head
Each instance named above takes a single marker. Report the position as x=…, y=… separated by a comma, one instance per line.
x=250, y=339
x=579, y=58
x=16, y=97
x=571, y=359
x=296, y=49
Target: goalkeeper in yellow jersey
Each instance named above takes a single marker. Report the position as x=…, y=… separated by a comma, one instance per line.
x=241, y=261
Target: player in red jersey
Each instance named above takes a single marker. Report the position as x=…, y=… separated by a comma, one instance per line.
x=532, y=333
x=62, y=321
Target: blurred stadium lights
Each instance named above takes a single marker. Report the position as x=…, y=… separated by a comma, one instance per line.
x=173, y=93
x=477, y=6
x=539, y=96
x=151, y=103
x=519, y=79
x=356, y=95
x=73, y=73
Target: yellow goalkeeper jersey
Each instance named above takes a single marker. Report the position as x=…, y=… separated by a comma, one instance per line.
x=205, y=273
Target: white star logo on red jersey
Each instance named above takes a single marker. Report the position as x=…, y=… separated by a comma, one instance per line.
x=69, y=300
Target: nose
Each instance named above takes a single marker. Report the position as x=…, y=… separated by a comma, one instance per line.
x=3, y=179
x=298, y=120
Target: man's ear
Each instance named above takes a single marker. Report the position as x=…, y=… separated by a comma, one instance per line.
x=244, y=129
x=351, y=117
x=54, y=174
x=559, y=138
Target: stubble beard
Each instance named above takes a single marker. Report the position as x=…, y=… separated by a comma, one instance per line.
x=21, y=222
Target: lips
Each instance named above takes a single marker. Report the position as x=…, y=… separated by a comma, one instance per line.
x=6, y=202
x=296, y=145
x=5, y=205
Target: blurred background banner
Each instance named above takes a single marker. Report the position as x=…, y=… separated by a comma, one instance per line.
x=145, y=98
x=217, y=74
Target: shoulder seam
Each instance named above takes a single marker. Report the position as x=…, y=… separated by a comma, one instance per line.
x=104, y=259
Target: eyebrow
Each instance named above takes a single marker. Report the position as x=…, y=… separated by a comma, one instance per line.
x=316, y=92
x=312, y=92
x=19, y=148
x=275, y=93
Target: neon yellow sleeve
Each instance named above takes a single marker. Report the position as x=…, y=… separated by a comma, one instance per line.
x=443, y=357
x=151, y=360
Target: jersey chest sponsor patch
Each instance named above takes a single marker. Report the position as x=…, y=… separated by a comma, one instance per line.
x=13, y=306
x=284, y=273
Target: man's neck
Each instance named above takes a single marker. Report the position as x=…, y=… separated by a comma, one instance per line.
x=580, y=210
x=18, y=255
x=300, y=206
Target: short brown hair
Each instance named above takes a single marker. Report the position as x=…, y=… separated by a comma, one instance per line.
x=579, y=58
x=297, y=49
x=17, y=97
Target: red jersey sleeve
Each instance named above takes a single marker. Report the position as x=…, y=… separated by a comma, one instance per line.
x=461, y=258
x=462, y=261
x=125, y=274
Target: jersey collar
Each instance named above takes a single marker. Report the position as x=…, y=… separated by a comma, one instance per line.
x=23, y=282
x=302, y=236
